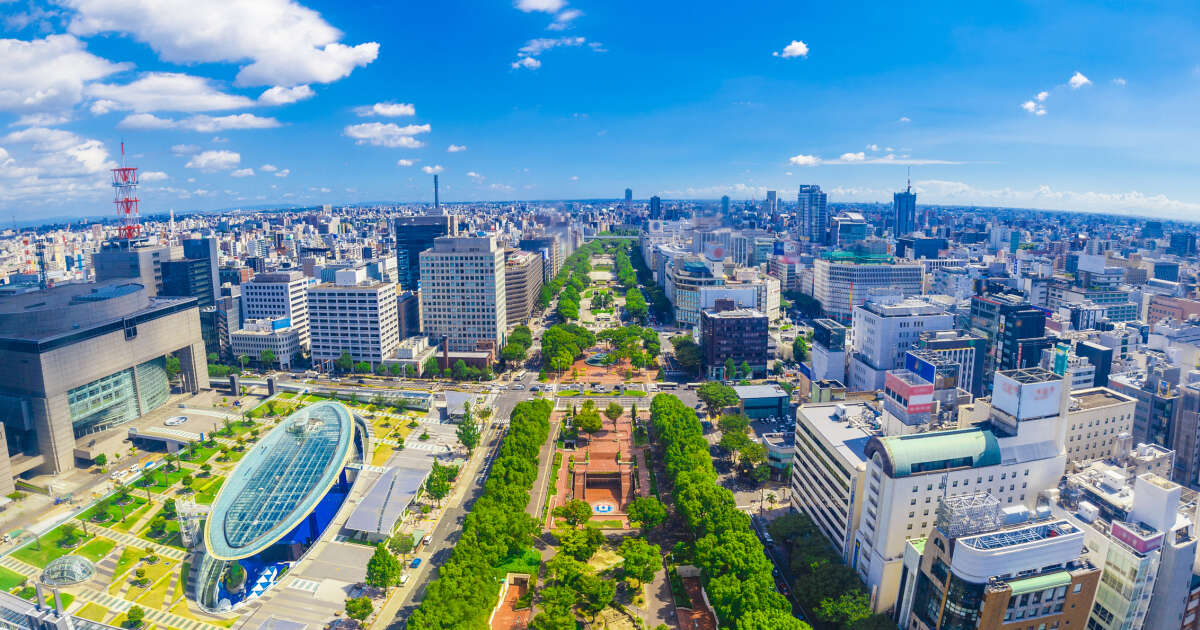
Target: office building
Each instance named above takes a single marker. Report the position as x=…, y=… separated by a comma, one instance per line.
x=848, y=228
x=811, y=206
x=733, y=334
x=1183, y=244
x=221, y=319
x=414, y=235
x=189, y=277
x=1015, y=330
x=275, y=335
x=965, y=349
x=1095, y=419
x=1099, y=356
x=126, y=260
x=984, y=568
x=551, y=252
x=904, y=212
x=523, y=285
x=655, y=207
x=84, y=358
x=1015, y=454
x=463, y=295
x=685, y=277
x=828, y=351
x=883, y=330
x=829, y=468
x=279, y=294
x=354, y=315
x=205, y=249
x=844, y=280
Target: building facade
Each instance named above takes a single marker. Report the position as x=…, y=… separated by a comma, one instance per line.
x=353, y=315
x=280, y=294
x=842, y=280
x=463, y=294
x=523, y=285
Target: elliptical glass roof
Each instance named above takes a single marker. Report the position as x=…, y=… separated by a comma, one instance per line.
x=279, y=481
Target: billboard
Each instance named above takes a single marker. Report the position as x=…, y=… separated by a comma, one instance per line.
x=1026, y=401
x=914, y=394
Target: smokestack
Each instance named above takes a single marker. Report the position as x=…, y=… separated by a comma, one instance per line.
x=435, y=193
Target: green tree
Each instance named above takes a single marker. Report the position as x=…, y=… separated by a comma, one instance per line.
x=401, y=544
x=134, y=616
x=597, y=592
x=344, y=363
x=730, y=369
x=641, y=559
x=799, y=349
x=614, y=411
x=383, y=570
x=648, y=512
x=468, y=433
x=588, y=419
x=100, y=460
x=575, y=512
x=431, y=367
x=744, y=368
x=580, y=544
x=845, y=609
x=717, y=396
x=687, y=353
x=266, y=357
x=359, y=608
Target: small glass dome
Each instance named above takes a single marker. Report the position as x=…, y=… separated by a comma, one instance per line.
x=68, y=570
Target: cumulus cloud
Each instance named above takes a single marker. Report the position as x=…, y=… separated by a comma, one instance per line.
x=1119, y=81
x=404, y=162
x=904, y=120
x=283, y=42
x=795, y=49
x=201, y=122
x=1077, y=80
x=152, y=176
x=540, y=6
x=853, y=157
x=389, y=110
x=527, y=62
x=185, y=149
x=221, y=160
x=280, y=95
x=804, y=160
x=432, y=170
x=166, y=91
x=268, y=168
x=41, y=119
x=860, y=157
x=386, y=134
x=475, y=176
x=48, y=74
x=1045, y=197
x=283, y=172
x=243, y=172
x=456, y=148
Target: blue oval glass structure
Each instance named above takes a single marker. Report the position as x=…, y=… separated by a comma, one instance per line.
x=279, y=482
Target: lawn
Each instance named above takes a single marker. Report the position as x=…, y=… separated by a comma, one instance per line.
x=96, y=549
x=129, y=557
x=30, y=593
x=528, y=562
x=92, y=612
x=209, y=493
x=114, y=511
x=157, y=594
x=133, y=517
x=383, y=452
x=10, y=579
x=30, y=554
x=154, y=572
x=609, y=524
x=170, y=539
x=203, y=454
x=155, y=479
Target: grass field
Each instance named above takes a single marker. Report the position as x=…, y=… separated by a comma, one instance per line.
x=10, y=579
x=30, y=554
x=96, y=549
x=92, y=612
x=129, y=557
x=528, y=561
x=171, y=538
x=132, y=518
x=114, y=511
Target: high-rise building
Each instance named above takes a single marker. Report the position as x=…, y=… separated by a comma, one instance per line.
x=463, y=293
x=280, y=294
x=205, y=249
x=523, y=284
x=733, y=334
x=724, y=204
x=123, y=260
x=414, y=235
x=904, y=211
x=628, y=198
x=274, y=335
x=828, y=351
x=83, y=358
x=843, y=280
x=814, y=213
x=883, y=331
x=1095, y=419
x=353, y=314
x=967, y=350
x=656, y=207
x=1015, y=330
x=218, y=321
x=772, y=203
x=551, y=251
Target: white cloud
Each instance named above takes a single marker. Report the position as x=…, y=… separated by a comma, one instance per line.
x=268, y=168
x=527, y=54
x=431, y=170
x=389, y=110
x=795, y=49
x=215, y=160
x=804, y=160
x=541, y=6
x=185, y=149
x=243, y=172
x=1041, y=96
x=152, y=176
x=1119, y=81
x=387, y=134
x=403, y=162
x=285, y=43
x=102, y=107
x=1034, y=108
x=904, y=120
x=48, y=74
x=56, y=153
x=1045, y=197
x=475, y=176
x=853, y=157
x=284, y=172
x=280, y=95
x=201, y=122
x=574, y=178
x=872, y=147
x=1077, y=80
x=456, y=148
x=41, y=119
x=167, y=91
x=564, y=19
x=860, y=157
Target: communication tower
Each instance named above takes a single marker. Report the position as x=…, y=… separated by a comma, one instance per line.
x=125, y=181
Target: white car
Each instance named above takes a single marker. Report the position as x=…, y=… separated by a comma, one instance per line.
x=175, y=421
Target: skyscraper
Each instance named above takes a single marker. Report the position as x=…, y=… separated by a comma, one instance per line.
x=655, y=208
x=814, y=215
x=772, y=202
x=724, y=204
x=904, y=209
x=464, y=295
x=628, y=198
x=414, y=235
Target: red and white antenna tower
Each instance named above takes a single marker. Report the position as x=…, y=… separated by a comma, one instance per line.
x=125, y=181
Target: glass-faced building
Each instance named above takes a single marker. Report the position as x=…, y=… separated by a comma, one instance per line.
x=277, y=503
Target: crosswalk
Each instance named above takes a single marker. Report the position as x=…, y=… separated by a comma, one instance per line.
x=420, y=445
x=301, y=584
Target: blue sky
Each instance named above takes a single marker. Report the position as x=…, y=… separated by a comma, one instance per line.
x=247, y=102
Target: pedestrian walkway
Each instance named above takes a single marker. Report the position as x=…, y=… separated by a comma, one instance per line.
x=121, y=606
x=419, y=445
x=301, y=584
x=134, y=541
x=12, y=563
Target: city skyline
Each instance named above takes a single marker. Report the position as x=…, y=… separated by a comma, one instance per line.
x=1020, y=106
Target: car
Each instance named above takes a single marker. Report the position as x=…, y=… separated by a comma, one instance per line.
x=534, y=388
x=175, y=421
x=518, y=386
x=403, y=579
x=427, y=539
x=415, y=563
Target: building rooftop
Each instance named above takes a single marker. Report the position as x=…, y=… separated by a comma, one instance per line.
x=1031, y=375
x=737, y=313
x=759, y=391
x=1020, y=535
x=1098, y=397
x=936, y=451
x=1054, y=579
x=847, y=426
x=279, y=481
x=387, y=499
x=70, y=309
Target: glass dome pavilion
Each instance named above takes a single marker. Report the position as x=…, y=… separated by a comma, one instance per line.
x=278, y=501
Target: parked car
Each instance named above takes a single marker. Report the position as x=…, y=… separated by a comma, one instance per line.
x=415, y=563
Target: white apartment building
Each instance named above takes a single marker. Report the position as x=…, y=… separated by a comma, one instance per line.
x=1095, y=417
x=1014, y=456
x=883, y=331
x=829, y=468
x=353, y=315
x=279, y=294
x=275, y=334
x=843, y=280
x=463, y=293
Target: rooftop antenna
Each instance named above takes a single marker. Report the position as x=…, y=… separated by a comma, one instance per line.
x=909, y=188
x=125, y=181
